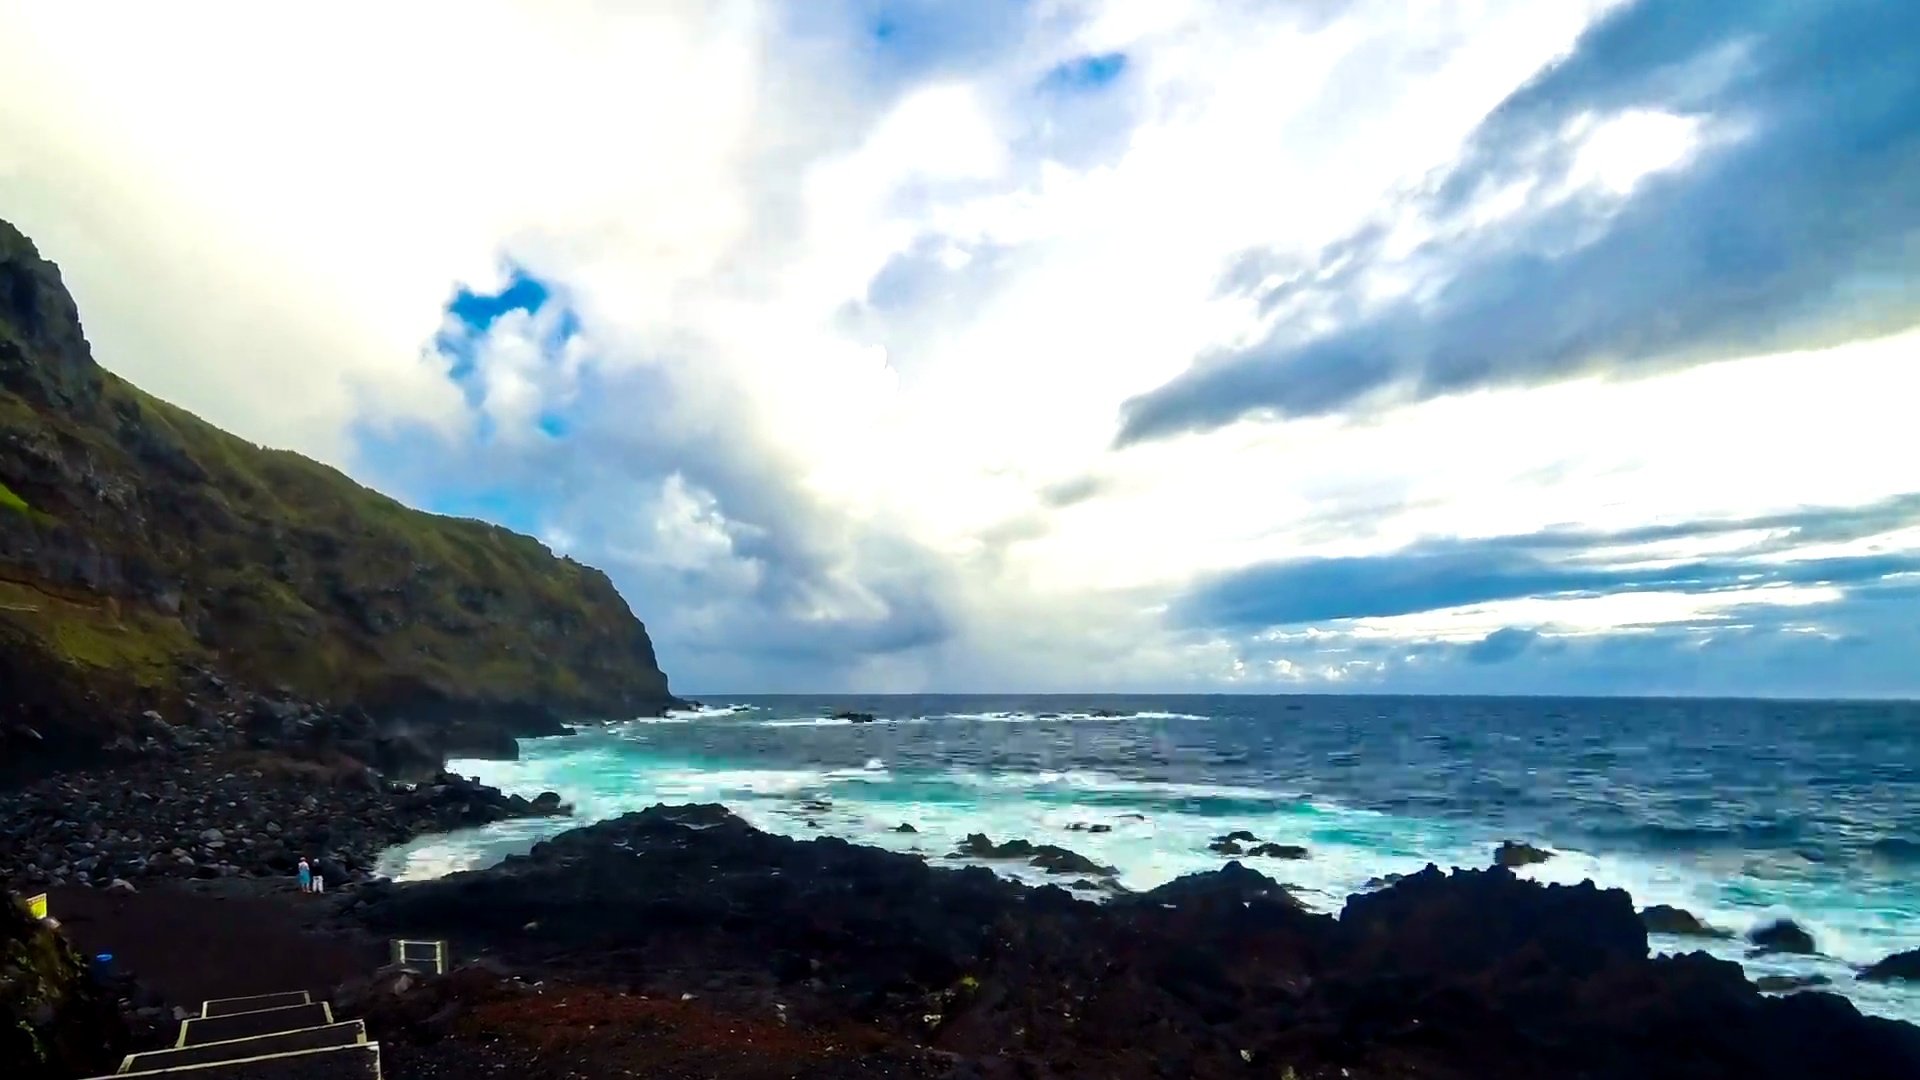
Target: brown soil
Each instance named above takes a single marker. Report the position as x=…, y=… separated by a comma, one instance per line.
x=195, y=941
x=590, y=1033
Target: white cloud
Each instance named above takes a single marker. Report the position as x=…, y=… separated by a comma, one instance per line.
x=263, y=215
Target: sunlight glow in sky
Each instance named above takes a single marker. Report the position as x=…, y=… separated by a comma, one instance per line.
x=1057, y=344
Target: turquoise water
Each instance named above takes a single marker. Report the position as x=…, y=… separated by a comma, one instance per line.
x=1738, y=811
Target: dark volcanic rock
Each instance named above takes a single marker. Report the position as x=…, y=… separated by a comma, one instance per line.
x=1781, y=984
x=252, y=813
x=1783, y=936
x=1081, y=826
x=1052, y=859
x=1663, y=919
x=903, y=827
x=1278, y=851
x=856, y=717
x=1904, y=966
x=668, y=878
x=1436, y=922
x=1059, y=860
x=1471, y=974
x=1233, y=885
x=1511, y=854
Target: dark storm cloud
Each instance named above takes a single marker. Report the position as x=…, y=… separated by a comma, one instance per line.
x=1804, y=230
x=1444, y=574
x=1502, y=645
x=1864, y=647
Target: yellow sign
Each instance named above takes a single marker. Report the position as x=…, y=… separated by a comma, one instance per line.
x=37, y=906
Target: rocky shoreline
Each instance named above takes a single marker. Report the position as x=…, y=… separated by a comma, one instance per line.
x=229, y=814
x=682, y=942
x=958, y=972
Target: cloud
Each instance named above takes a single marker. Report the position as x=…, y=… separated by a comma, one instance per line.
x=1502, y=645
x=1434, y=575
x=1697, y=181
x=1075, y=490
x=809, y=323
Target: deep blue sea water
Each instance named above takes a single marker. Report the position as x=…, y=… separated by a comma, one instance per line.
x=1740, y=811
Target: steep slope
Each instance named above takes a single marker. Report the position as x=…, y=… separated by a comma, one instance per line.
x=146, y=555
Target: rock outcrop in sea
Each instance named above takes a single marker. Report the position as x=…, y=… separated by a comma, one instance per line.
x=151, y=561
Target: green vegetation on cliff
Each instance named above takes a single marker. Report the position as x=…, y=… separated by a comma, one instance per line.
x=53, y=1022
x=141, y=546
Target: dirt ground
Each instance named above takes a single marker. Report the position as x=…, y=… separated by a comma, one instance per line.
x=214, y=939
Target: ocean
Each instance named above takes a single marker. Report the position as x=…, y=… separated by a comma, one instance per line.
x=1739, y=811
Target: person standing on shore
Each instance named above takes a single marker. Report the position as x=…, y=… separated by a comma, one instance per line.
x=319, y=879
x=306, y=876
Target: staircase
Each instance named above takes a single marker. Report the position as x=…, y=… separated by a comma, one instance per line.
x=269, y=1037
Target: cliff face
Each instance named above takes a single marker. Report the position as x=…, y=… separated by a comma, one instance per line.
x=146, y=555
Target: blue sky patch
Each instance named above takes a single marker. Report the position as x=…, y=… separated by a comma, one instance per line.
x=1086, y=73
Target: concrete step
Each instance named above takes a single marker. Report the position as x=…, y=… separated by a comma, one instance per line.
x=259, y=1022
x=229, y=1006
x=360, y=1061
x=346, y=1033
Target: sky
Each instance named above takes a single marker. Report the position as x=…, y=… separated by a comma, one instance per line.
x=1425, y=346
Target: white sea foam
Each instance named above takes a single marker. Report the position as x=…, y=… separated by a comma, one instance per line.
x=1064, y=717
x=709, y=712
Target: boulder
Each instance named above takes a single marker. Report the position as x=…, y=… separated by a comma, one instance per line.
x=1663, y=919
x=1904, y=966
x=981, y=846
x=1278, y=851
x=1059, y=860
x=903, y=827
x=1782, y=936
x=1511, y=854
x=1233, y=887
x=1432, y=922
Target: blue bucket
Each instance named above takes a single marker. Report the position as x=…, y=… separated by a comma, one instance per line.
x=103, y=965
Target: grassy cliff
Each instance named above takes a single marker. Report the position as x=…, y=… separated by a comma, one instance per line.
x=143, y=549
